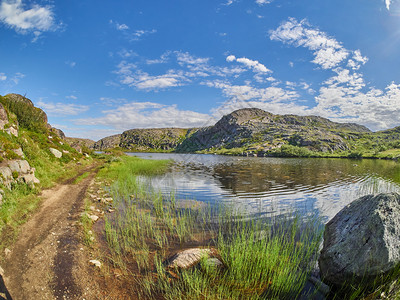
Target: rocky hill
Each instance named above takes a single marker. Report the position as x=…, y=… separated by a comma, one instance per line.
x=249, y=130
x=30, y=148
x=157, y=139
x=262, y=131
x=108, y=142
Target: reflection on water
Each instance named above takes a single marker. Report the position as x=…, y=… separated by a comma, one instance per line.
x=274, y=186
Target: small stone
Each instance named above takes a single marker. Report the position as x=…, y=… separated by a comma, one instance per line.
x=7, y=252
x=96, y=263
x=92, y=208
x=1, y=271
x=94, y=218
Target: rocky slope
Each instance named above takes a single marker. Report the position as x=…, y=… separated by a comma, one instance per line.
x=262, y=131
x=27, y=142
x=250, y=130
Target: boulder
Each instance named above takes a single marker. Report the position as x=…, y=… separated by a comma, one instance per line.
x=56, y=153
x=12, y=131
x=362, y=240
x=20, y=166
x=190, y=257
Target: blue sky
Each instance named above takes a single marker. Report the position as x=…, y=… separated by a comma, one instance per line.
x=101, y=67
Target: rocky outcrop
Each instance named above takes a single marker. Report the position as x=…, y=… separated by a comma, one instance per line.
x=3, y=117
x=78, y=144
x=108, y=142
x=17, y=171
x=155, y=139
x=362, y=240
x=16, y=98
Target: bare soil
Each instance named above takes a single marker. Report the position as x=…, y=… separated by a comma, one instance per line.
x=49, y=260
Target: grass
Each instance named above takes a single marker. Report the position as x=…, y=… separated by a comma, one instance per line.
x=262, y=258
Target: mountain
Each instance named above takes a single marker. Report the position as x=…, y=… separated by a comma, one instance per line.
x=248, y=130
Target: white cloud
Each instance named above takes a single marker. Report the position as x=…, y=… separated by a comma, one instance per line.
x=247, y=92
x=230, y=58
x=263, y=2
x=328, y=52
x=251, y=64
x=136, y=35
x=144, y=81
x=72, y=97
x=163, y=59
x=71, y=64
x=388, y=3
x=3, y=76
x=186, y=58
x=36, y=19
x=17, y=77
x=62, y=108
x=122, y=27
x=124, y=53
x=147, y=115
x=148, y=82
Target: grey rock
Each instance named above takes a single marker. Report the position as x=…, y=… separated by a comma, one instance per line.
x=30, y=179
x=12, y=131
x=188, y=258
x=362, y=240
x=56, y=153
x=20, y=166
x=19, y=152
x=5, y=173
x=3, y=116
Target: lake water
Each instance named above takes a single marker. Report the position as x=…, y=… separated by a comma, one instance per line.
x=274, y=186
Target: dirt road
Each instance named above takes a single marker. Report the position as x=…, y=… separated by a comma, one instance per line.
x=48, y=261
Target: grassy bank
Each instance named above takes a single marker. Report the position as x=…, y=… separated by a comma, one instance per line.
x=261, y=258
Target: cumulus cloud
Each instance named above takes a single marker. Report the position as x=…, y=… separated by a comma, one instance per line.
x=328, y=52
x=147, y=115
x=131, y=76
x=36, y=19
x=247, y=92
x=62, y=108
x=3, y=76
x=388, y=3
x=251, y=64
x=186, y=58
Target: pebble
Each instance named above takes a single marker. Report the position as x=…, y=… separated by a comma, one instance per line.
x=7, y=251
x=95, y=262
x=94, y=218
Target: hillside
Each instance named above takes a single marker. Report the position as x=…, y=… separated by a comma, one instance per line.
x=261, y=131
x=255, y=132
x=32, y=152
x=158, y=139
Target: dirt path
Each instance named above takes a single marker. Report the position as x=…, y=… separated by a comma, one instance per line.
x=48, y=261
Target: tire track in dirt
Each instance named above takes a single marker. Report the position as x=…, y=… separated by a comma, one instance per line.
x=46, y=261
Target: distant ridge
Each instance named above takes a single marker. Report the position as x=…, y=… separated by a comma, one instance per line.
x=251, y=129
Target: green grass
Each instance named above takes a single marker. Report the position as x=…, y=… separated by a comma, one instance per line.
x=263, y=259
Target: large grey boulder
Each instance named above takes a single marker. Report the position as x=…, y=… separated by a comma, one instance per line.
x=20, y=166
x=362, y=240
x=56, y=153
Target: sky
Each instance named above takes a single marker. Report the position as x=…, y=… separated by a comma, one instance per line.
x=99, y=67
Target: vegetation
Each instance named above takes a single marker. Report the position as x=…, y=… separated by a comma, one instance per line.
x=263, y=258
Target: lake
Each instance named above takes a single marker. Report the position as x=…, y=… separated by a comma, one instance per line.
x=274, y=186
